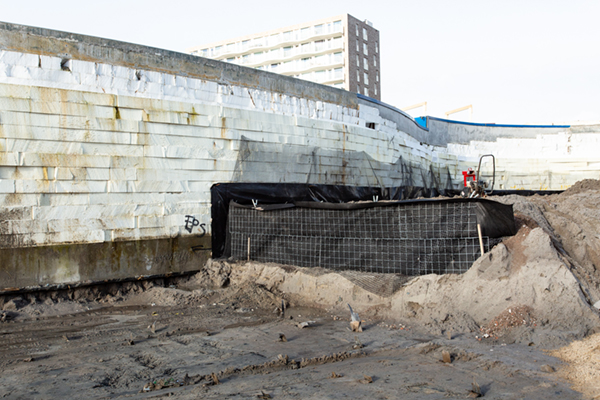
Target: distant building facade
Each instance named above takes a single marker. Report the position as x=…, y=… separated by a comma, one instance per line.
x=341, y=51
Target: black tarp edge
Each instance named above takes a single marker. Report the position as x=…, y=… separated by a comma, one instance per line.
x=495, y=219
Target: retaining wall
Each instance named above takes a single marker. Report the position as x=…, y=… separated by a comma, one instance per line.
x=108, y=150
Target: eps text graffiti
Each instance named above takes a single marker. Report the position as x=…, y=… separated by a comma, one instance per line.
x=191, y=222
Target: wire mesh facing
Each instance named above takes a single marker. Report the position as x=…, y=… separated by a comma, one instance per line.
x=409, y=239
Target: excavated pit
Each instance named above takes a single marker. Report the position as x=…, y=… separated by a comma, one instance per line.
x=532, y=292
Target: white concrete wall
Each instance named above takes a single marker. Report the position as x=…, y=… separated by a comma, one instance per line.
x=546, y=162
x=101, y=152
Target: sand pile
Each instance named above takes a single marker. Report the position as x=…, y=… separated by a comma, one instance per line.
x=572, y=221
x=525, y=273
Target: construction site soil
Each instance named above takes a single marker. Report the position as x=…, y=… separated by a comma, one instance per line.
x=523, y=322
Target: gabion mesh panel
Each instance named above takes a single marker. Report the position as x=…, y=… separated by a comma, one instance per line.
x=410, y=239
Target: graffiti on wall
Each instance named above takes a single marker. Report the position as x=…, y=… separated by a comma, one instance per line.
x=191, y=222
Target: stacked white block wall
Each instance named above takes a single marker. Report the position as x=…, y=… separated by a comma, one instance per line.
x=93, y=152
x=546, y=162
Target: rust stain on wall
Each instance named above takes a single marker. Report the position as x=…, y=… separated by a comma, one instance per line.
x=223, y=127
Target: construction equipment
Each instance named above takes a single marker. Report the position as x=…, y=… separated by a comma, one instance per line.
x=476, y=187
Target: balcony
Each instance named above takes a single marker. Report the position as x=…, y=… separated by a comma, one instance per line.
x=310, y=34
x=282, y=55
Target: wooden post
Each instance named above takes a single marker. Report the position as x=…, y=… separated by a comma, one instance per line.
x=480, y=238
x=249, y=245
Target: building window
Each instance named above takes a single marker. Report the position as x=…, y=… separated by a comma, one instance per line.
x=357, y=88
x=257, y=42
x=304, y=33
x=305, y=47
x=375, y=88
x=319, y=29
x=376, y=47
x=287, y=51
x=357, y=76
x=287, y=66
x=365, y=34
x=365, y=49
x=357, y=61
x=357, y=46
x=337, y=43
x=287, y=36
x=218, y=50
x=374, y=61
x=356, y=30
x=366, y=64
x=319, y=45
x=230, y=47
x=377, y=76
x=366, y=91
x=274, y=39
x=337, y=25
x=320, y=76
x=366, y=80
x=230, y=60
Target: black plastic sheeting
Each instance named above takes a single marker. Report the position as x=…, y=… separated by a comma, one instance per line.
x=274, y=193
x=495, y=219
x=411, y=237
x=323, y=195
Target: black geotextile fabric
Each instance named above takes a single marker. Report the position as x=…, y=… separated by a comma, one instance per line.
x=289, y=193
x=413, y=237
x=495, y=219
x=273, y=195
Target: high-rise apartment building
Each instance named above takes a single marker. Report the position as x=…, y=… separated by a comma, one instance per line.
x=341, y=51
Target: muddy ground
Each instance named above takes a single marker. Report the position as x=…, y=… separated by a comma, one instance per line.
x=521, y=324
x=105, y=349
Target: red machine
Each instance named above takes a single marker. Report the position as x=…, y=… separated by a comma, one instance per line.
x=469, y=176
x=474, y=188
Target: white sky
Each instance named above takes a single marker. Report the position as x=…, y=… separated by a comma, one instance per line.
x=515, y=61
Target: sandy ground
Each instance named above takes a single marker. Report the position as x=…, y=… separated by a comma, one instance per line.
x=520, y=324
x=106, y=350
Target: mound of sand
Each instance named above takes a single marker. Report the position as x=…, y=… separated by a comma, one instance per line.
x=525, y=273
x=572, y=221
